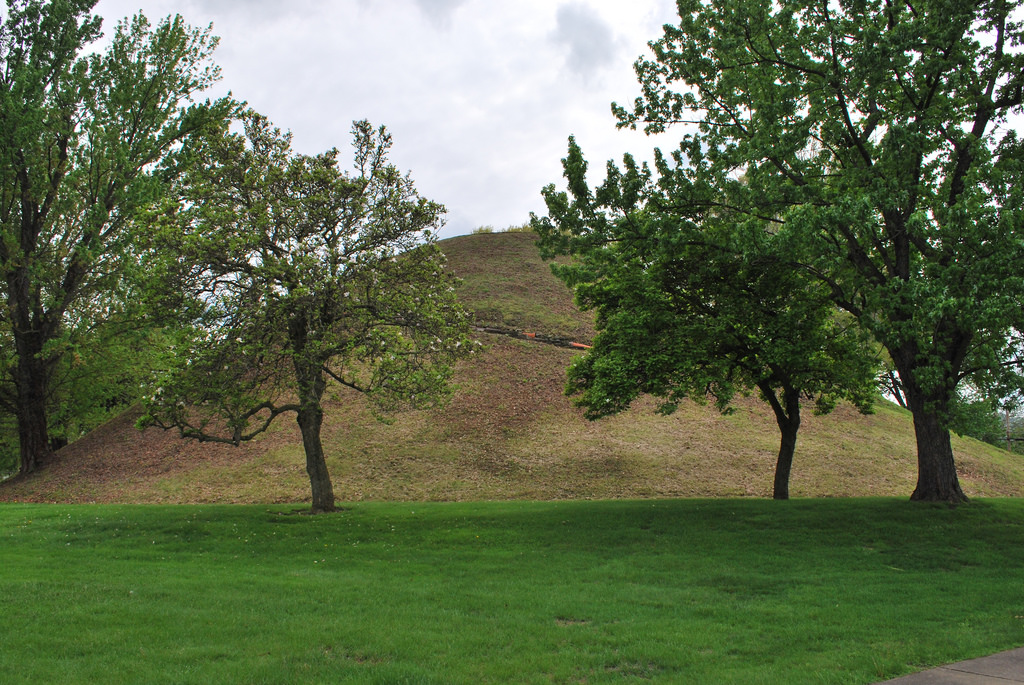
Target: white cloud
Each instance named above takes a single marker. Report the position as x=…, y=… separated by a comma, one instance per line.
x=480, y=95
x=588, y=39
x=440, y=12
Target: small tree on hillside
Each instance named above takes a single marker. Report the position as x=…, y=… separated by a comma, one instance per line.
x=301, y=274
x=695, y=308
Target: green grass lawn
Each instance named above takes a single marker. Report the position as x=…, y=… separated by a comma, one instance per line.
x=694, y=591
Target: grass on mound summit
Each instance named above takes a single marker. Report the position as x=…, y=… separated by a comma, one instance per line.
x=737, y=591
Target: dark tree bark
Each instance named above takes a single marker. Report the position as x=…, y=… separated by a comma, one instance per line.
x=310, y=418
x=31, y=381
x=311, y=382
x=787, y=415
x=937, y=480
x=33, y=435
x=784, y=463
x=936, y=469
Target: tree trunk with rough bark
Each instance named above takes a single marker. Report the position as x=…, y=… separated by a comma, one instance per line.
x=784, y=463
x=936, y=469
x=311, y=384
x=310, y=418
x=937, y=480
x=33, y=439
x=787, y=416
x=32, y=382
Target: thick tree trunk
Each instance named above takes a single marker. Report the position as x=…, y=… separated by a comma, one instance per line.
x=31, y=379
x=33, y=439
x=31, y=375
x=310, y=419
x=936, y=470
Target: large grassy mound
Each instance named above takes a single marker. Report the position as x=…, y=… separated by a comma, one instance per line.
x=509, y=433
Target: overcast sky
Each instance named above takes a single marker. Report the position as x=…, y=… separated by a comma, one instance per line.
x=479, y=95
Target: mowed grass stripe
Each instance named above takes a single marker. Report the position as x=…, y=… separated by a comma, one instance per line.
x=739, y=591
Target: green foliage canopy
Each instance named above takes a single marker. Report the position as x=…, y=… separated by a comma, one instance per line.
x=84, y=142
x=695, y=306
x=299, y=273
x=876, y=140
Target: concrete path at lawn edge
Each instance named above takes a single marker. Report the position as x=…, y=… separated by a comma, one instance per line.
x=1004, y=668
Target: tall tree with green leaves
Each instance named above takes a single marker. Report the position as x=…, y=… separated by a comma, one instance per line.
x=876, y=139
x=301, y=274
x=85, y=140
x=688, y=308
